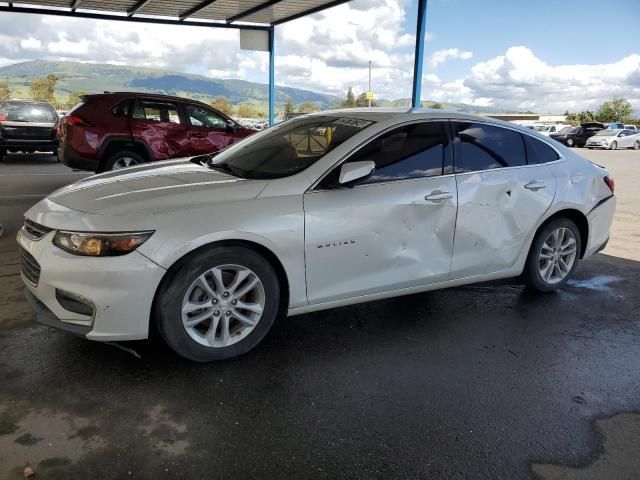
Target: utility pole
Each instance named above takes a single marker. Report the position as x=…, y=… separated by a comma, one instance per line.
x=369, y=94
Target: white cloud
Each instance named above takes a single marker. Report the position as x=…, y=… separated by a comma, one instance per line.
x=519, y=80
x=329, y=52
x=440, y=56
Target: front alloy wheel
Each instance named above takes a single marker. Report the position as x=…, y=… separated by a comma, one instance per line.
x=614, y=146
x=218, y=303
x=569, y=142
x=223, y=305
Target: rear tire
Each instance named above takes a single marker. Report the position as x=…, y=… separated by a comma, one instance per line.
x=121, y=159
x=553, y=256
x=211, y=321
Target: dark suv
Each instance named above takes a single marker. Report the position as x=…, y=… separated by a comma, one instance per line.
x=27, y=126
x=116, y=130
x=577, y=136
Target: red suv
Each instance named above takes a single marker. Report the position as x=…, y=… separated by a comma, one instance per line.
x=116, y=130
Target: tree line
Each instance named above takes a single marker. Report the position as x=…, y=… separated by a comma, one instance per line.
x=617, y=109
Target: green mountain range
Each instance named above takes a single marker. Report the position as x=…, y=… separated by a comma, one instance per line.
x=97, y=78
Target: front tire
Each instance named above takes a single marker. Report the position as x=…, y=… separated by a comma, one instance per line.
x=614, y=146
x=636, y=145
x=554, y=255
x=569, y=142
x=218, y=304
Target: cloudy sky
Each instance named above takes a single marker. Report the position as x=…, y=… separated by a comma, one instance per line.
x=523, y=55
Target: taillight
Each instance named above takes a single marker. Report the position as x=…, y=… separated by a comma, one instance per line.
x=74, y=120
x=610, y=183
x=3, y=118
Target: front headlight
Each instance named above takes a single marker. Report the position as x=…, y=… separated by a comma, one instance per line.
x=100, y=244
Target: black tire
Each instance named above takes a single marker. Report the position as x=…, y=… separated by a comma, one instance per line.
x=636, y=145
x=109, y=163
x=3, y=153
x=614, y=146
x=569, y=142
x=531, y=273
x=168, y=306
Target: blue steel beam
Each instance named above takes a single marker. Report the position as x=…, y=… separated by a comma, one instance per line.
x=272, y=75
x=419, y=56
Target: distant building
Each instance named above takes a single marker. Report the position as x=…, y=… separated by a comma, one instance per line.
x=532, y=117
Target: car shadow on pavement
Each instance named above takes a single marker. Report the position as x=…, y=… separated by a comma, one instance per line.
x=469, y=382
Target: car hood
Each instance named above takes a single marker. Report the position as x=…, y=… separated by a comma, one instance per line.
x=155, y=188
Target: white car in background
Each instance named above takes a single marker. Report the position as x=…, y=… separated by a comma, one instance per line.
x=614, y=139
x=328, y=209
x=633, y=128
x=547, y=130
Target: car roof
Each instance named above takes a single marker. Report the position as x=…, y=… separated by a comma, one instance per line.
x=378, y=114
x=157, y=96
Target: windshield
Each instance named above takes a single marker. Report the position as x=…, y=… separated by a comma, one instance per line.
x=27, y=112
x=288, y=149
x=608, y=133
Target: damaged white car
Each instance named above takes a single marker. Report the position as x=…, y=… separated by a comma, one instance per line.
x=328, y=209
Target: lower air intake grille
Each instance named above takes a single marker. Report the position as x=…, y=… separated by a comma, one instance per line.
x=30, y=268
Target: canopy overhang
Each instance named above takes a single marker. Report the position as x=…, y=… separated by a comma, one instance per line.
x=252, y=14
x=238, y=14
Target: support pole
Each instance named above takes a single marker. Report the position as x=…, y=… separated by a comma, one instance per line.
x=417, y=64
x=272, y=74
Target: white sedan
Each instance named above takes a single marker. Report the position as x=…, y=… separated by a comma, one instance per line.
x=329, y=209
x=614, y=139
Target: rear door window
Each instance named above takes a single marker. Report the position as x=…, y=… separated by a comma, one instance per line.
x=28, y=112
x=480, y=147
x=156, y=111
x=539, y=152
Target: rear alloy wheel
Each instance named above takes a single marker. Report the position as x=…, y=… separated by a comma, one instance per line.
x=614, y=146
x=553, y=256
x=122, y=159
x=219, y=304
x=569, y=142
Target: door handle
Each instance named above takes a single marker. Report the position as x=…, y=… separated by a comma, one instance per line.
x=535, y=185
x=438, y=195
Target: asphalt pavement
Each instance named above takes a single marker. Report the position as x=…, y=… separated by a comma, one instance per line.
x=485, y=381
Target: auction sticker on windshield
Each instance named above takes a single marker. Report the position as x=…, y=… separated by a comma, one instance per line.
x=352, y=122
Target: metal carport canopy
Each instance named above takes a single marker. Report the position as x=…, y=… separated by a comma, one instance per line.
x=240, y=14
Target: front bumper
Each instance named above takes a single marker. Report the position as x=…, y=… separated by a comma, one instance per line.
x=120, y=290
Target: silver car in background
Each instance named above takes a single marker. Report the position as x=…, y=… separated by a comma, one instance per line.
x=614, y=139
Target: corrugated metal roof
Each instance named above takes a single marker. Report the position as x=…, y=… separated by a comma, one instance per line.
x=229, y=13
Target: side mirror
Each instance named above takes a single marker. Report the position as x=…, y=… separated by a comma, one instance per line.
x=231, y=125
x=355, y=171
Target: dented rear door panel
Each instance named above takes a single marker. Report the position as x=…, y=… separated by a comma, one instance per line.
x=497, y=211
